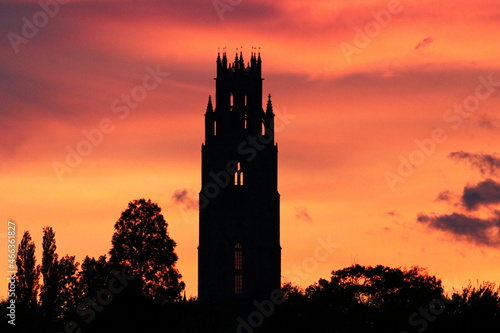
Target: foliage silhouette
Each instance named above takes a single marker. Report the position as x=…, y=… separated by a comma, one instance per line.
x=50, y=302
x=141, y=244
x=93, y=276
x=27, y=286
x=27, y=277
x=364, y=298
x=355, y=299
x=67, y=283
x=476, y=309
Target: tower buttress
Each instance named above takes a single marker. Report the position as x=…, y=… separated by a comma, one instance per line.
x=210, y=123
x=269, y=120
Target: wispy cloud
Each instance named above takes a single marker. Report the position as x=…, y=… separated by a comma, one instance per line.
x=425, y=42
x=487, y=164
x=487, y=122
x=187, y=198
x=392, y=213
x=302, y=214
x=444, y=196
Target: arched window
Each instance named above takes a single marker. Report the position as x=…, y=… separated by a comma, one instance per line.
x=238, y=175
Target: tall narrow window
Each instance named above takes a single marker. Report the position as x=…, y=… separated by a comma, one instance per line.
x=238, y=266
x=231, y=100
x=238, y=259
x=238, y=284
x=215, y=127
x=238, y=175
x=246, y=100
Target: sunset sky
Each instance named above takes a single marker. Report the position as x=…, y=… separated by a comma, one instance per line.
x=362, y=90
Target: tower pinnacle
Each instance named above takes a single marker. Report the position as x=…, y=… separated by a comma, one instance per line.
x=209, y=106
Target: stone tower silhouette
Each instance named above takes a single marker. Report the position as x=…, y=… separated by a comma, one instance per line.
x=239, y=253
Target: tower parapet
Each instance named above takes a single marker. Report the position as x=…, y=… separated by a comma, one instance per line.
x=238, y=99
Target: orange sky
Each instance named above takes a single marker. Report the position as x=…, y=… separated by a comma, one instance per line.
x=346, y=118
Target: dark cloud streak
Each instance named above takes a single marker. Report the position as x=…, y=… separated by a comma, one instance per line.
x=425, y=42
x=475, y=230
x=487, y=164
x=483, y=194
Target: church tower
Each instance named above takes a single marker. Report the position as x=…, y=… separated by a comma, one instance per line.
x=239, y=253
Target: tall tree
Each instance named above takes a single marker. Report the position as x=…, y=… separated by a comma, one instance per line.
x=51, y=304
x=27, y=277
x=67, y=283
x=141, y=244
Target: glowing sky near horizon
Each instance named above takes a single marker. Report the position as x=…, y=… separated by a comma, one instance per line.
x=359, y=87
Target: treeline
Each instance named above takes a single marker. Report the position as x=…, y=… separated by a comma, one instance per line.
x=62, y=295
x=137, y=288
x=355, y=299
x=384, y=299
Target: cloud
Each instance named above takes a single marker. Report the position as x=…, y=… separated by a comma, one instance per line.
x=187, y=198
x=302, y=214
x=461, y=253
x=484, y=193
x=474, y=230
x=487, y=164
x=424, y=42
x=393, y=213
x=487, y=122
x=444, y=196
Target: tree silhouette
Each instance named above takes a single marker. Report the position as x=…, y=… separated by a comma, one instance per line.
x=476, y=308
x=93, y=276
x=141, y=244
x=51, y=303
x=383, y=296
x=27, y=277
x=67, y=283
x=292, y=293
x=380, y=286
